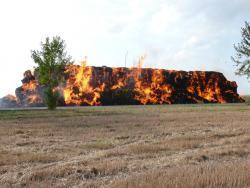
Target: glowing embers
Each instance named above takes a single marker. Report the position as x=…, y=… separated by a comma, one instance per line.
x=206, y=87
x=152, y=89
x=34, y=99
x=149, y=85
x=31, y=93
x=78, y=89
x=85, y=85
x=30, y=86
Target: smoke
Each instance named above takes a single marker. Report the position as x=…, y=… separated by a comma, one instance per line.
x=8, y=101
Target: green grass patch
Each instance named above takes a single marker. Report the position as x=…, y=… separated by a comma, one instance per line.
x=118, y=110
x=42, y=113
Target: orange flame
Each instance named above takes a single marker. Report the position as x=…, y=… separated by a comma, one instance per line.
x=85, y=86
x=150, y=86
x=30, y=91
x=31, y=86
x=34, y=99
x=154, y=91
x=211, y=92
x=78, y=90
x=10, y=97
x=150, y=90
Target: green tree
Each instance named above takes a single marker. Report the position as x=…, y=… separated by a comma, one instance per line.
x=242, y=56
x=51, y=61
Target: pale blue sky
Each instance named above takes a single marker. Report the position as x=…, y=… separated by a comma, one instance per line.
x=174, y=34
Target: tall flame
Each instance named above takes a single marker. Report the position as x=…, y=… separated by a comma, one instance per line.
x=86, y=85
x=31, y=86
x=211, y=92
x=150, y=85
x=78, y=90
x=30, y=89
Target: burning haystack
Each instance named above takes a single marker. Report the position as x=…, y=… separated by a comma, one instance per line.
x=86, y=85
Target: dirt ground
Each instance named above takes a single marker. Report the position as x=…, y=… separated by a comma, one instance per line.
x=126, y=146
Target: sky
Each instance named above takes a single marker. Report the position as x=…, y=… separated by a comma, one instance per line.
x=172, y=34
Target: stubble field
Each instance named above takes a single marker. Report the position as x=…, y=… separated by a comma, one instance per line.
x=126, y=146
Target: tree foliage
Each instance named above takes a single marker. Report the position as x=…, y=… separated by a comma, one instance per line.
x=51, y=61
x=242, y=56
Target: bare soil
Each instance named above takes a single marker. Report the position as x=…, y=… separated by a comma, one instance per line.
x=126, y=146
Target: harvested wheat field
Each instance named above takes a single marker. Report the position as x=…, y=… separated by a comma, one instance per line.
x=126, y=146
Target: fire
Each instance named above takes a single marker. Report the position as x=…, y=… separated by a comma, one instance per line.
x=86, y=85
x=30, y=91
x=121, y=81
x=10, y=97
x=8, y=101
x=78, y=89
x=211, y=91
x=83, y=88
x=154, y=91
x=31, y=86
x=34, y=99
